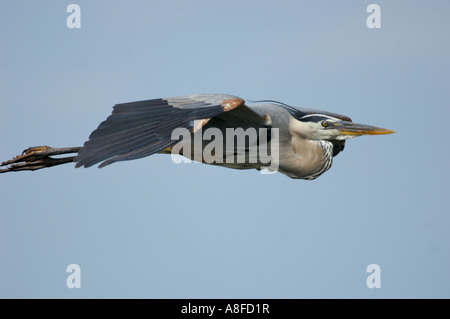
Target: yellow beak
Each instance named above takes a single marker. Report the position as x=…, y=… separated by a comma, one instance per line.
x=355, y=129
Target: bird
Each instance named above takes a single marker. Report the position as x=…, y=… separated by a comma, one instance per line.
x=302, y=141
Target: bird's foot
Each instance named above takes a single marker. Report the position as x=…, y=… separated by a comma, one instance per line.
x=38, y=157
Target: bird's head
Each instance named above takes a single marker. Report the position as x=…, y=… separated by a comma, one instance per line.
x=334, y=127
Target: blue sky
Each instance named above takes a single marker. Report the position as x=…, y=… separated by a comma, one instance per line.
x=152, y=229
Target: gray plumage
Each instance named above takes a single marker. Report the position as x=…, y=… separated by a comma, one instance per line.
x=308, y=139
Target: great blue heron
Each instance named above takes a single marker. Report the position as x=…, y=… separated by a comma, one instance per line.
x=307, y=139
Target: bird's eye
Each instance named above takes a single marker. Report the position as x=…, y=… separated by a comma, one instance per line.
x=324, y=123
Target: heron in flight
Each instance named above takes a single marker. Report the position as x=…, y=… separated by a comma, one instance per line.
x=307, y=139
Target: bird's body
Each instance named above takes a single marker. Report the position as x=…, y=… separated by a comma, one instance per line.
x=307, y=140
x=296, y=157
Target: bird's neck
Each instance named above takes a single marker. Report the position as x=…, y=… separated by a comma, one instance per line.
x=312, y=157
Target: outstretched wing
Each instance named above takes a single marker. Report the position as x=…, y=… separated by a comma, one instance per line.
x=142, y=128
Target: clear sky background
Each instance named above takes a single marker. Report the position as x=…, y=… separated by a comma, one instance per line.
x=152, y=229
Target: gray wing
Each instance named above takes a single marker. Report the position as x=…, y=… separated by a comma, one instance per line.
x=142, y=128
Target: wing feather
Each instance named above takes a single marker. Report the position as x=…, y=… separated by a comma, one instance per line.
x=138, y=129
